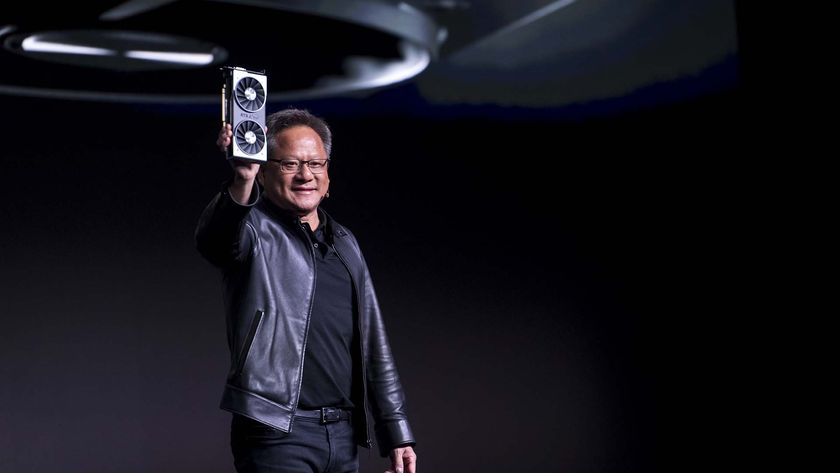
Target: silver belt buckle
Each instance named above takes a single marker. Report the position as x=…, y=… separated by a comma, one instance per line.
x=330, y=414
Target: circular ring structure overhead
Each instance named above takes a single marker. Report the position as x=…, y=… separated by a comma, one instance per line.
x=170, y=51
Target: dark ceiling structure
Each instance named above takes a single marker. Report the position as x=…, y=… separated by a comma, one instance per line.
x=529, y=53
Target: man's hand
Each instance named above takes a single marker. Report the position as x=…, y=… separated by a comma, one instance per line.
x=243, y=172
x=403, y=460
x=225, y=136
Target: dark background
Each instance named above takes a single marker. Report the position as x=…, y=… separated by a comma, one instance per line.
x=552, y=279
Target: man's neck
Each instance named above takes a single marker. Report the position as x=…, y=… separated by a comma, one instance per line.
x=312, y=219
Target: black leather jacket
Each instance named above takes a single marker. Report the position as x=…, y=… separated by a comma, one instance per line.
x=268, y=267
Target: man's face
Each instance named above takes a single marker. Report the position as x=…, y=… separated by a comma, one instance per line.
x=299, y=192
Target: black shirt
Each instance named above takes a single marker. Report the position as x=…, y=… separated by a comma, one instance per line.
x=328, y=361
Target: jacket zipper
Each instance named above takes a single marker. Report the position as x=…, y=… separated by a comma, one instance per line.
x=361, y=344
x=249, y=340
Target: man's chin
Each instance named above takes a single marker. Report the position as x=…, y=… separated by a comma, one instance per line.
x=299, y=208
x=306, y=206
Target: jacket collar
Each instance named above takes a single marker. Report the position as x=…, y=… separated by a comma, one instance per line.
x=325, y=220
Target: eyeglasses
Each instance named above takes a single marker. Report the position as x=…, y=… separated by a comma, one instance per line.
x=292, y=166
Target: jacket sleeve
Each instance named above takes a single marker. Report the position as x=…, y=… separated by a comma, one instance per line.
x=221, y=235
x=385, y=391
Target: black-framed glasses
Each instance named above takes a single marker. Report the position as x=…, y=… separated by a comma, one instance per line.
x=292, y=166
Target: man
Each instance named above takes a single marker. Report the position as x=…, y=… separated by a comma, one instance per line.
x=309, y=352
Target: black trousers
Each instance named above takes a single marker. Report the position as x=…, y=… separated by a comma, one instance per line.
x=311, y=447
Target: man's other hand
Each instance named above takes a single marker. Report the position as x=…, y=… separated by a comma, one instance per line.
x=403, y=460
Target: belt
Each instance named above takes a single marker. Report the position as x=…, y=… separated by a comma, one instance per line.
x=326, y=415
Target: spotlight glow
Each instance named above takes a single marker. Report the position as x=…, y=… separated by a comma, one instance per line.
x=197, y=59
x=34, y=44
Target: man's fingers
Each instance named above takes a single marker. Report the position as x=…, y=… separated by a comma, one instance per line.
x=403, y=460
x=410, y=460
x=225, y=136
x=397, y=462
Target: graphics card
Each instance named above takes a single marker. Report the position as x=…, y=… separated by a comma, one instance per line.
x=244, y=95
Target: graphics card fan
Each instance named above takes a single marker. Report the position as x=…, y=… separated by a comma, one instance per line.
x=250, y=94
x=249, y=137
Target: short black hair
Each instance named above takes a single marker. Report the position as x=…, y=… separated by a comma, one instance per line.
x=292, y=117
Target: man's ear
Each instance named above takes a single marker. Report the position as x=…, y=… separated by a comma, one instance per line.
x=260, y=177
